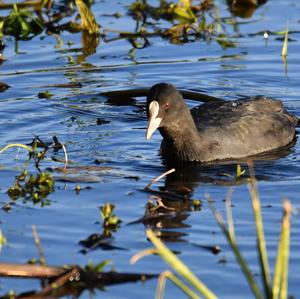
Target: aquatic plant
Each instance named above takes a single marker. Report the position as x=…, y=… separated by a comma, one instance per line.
x=21, y=23
x=111, y=222
x=26, y=19
x=88, y=21
x=38, y=185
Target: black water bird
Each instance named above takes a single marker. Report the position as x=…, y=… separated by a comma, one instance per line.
x=217, y=131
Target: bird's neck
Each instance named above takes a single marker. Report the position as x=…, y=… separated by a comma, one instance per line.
x=181, y=137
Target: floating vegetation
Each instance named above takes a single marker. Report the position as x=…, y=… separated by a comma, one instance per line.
x=45, y=94
x=27, y=21
x=110, y=224
x=110, y=220
x=188, y=22
x=36, y=188
x=184, y=21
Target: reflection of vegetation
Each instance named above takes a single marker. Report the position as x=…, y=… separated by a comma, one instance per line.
x=272, y=288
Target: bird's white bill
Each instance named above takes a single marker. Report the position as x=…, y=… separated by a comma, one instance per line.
x=153, y=121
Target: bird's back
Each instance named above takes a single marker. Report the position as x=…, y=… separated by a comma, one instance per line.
x=241, y=128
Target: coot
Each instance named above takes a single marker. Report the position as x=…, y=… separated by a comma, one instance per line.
x=223, y=130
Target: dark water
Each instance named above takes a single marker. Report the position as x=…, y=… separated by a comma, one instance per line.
x=253, y=67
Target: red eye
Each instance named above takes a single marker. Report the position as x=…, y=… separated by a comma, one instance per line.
x=167, y=105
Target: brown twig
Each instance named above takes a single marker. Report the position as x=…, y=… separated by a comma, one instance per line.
x=30, y=271
x=71, y=275
x=159, y=177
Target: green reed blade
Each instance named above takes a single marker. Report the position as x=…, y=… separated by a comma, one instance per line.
x=170, y=258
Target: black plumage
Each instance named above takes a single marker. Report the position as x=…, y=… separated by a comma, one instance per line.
x=225, y=130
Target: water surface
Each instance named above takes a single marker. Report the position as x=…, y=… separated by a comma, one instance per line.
x=253, y=67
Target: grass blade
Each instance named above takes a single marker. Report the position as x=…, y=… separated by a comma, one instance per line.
x=280, y=281
x=170, y=258
x=229, y=215
x=161, y=285
x=179, y=283
x=280, y=258
x=241, y=261
x=261, y=244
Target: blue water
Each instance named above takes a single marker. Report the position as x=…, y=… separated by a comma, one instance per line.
x=253, y=67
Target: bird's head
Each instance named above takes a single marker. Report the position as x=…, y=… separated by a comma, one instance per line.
x=164, y=105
